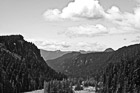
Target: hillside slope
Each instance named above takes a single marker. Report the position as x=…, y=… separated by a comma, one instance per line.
x=123, y=76
x=21, y=66
x=76, y=64
x=89, y=64
x=48, y=55
x=59, y=63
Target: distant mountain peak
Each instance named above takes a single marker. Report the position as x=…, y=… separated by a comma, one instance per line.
x=109, y=50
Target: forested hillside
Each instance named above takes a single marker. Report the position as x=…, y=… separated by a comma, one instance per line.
x=123, y=76
x=80, y=65
x=83, y=65
x=58, y=63
x=21, y=66
x=112, y=72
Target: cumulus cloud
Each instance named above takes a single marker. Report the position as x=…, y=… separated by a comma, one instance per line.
x=121, y=22
x=89, y=9
x=52, y=15
x=114, y=14
x=129, y=20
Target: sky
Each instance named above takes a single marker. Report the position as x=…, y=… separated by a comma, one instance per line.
x=72, y=25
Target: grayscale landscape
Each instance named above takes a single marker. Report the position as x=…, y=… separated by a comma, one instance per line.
x=69, y=46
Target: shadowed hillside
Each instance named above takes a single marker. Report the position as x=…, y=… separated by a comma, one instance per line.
x=21, y=66
x=76, y=64
x=48, y=55
x=58, y=64
x=90, y=64
x=123, y=75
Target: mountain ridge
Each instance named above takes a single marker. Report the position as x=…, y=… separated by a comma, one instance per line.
x=92, y=62
x=50, y=55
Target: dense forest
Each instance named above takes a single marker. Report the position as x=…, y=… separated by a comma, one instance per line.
x=21, y=66
x=123, y=76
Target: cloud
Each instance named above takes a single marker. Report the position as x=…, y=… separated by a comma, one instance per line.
x=138, y=1
x=89, y=9
x=96, y=30
x=86, y=30
x=137, y=17
x=52, y=15
x=137, y=40
x=66, y=46
x=138, y=37
x=114, y=14
x=50, y=45
x=124, y=39
x=129, y=20
x=90, y=46
x=119, y=22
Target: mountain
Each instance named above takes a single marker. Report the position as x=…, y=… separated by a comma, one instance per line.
x=48, y=55
x=109, y=50
x=21, y=66
x=58, y=64
x=83, y=65
x=122, y=76
x=77, y=64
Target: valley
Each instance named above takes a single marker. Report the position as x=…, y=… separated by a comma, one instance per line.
x=24, y=69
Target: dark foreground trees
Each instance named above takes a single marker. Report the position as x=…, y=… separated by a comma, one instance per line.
x=54, y=86
x=122, y=77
